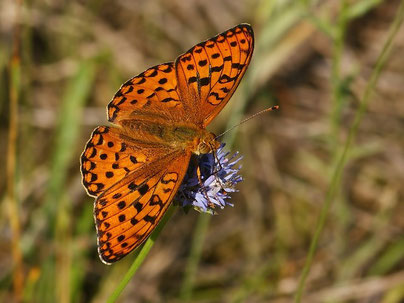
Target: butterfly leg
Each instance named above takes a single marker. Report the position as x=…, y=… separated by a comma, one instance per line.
x=217, y=169
x=199, y=174
x=217, y=161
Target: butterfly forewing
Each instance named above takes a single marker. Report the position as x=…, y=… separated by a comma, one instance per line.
x=211, y=71
x=127, y=213
x=195, y=88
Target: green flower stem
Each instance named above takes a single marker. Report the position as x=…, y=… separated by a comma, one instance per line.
x=141, y=256
x=337, y=172
x=191, y=268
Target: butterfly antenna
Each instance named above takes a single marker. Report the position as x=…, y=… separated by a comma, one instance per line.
x=249, y=118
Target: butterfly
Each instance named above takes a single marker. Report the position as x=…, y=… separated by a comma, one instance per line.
x=159, y=118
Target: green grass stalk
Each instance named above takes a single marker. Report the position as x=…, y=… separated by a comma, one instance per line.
x=12, y=202
x=202, y=226
x=337, y=83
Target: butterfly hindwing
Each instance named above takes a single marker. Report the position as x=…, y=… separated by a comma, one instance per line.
x=108, y=158
x=127, y=213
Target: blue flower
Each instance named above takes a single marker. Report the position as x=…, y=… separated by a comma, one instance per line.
x=217, y=178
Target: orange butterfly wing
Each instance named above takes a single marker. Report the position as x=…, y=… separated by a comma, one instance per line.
x=134, y=183
x=106, y=160
x=209, y=73
x=136, y=175
x=109, y=157
x=128, y=212
x=153, y=92
x=195, y=88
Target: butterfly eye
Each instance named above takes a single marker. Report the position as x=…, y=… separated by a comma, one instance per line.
x=204, y=148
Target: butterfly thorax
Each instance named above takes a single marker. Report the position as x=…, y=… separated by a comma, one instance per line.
x=206, y=143
x=178, y=136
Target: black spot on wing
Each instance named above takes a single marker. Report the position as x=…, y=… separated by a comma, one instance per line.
x=143, y=189
x=153, y=74
x=168, y=69
x=138, y=206
x=150, y=219
x=215, y=69
x=141, y=81
x=186, y=58
x=168, y=99
x=204, y=81
x=151, y=95
x=202, y=63
x=123, y=99
x=172, y=179
x=163, y=80
x=192, y=80
x=216, y=95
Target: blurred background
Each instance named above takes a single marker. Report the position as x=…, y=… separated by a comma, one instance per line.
x=313, y=58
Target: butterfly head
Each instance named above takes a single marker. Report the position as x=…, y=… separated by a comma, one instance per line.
x=207, y=143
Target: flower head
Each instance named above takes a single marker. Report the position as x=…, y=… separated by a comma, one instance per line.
x=207, y=185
